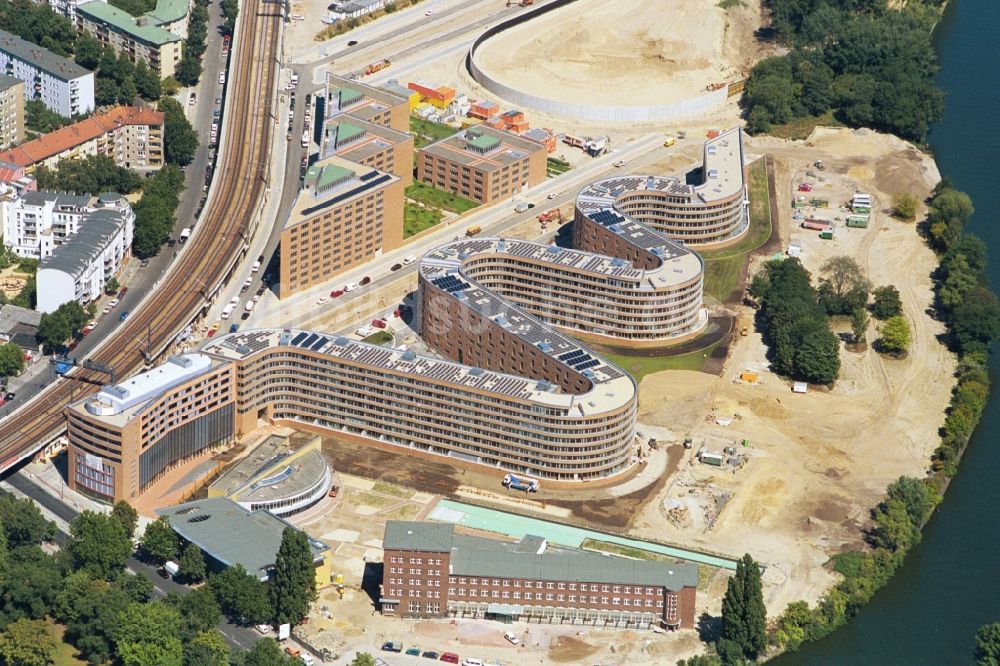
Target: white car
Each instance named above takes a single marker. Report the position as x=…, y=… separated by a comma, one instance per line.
x=249, y=306
x=263, y=628
x=322, y=300
x=350, y=286
x=234, y=301
x=409, y=259
x=256, y=298
x=364, y=331
x=552, y=195
x=512, y=637
x=114, y=302
x=428, y=12
x=222, y=78
x=255, y=267
x=620, y=163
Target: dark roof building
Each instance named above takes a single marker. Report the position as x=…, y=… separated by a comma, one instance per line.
x=431, y=571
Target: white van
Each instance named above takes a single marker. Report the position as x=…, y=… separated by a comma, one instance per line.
x=512, y=637
x=255, y=267
x=249, y=306
x=472, y=662
x=226, y=311
x=222, y=78
x=350, y=286
x=307, y=659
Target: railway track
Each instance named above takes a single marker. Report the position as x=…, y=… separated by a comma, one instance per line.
x=212, y=253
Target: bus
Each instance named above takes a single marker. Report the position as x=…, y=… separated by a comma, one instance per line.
x=185, y=234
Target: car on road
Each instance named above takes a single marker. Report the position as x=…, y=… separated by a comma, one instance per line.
x=144, y=263
x=91, y=325
x=512, y=638
x=413, y=651
x=193, y=99
x=392, y=646
x=336, y=293
x=122, y=292
x=123, y=316
x=222, y=78
x=620, y=163
x=430, y=654
x=113, y=302
x=232, y=329
x=379, y=323
x=409, y=259
x=396, y=267
x=322, y=300
x=9, y=396
x=552, y=195
x=365, y=280
x=218, y=100
x=106, y=310
x=429, y=12
x=244, y=316
x=350, y=286
x=292, y=652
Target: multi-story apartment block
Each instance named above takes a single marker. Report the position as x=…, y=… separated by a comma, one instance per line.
x=374, y=105
x=81, y=242
x=711, y=214
x=344, y=215
x=132, y=136
x=366, y=143
x=11, y=111
x=126, y=436
x=146, y=38
x=482, y=164
x=430, y=571
x=61, y=84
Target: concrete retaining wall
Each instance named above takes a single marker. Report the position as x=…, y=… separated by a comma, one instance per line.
x=687, y=108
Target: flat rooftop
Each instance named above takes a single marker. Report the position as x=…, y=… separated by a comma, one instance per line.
x=117, y=403
x=232, y=535
x=43, y=59
x=483, y=148
x=334, y=182
x=356, y=139
x=611, y=386
x=355, y=94
x=150, y=33
x=277, y=468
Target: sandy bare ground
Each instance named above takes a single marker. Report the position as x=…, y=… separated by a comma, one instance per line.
x=817, y=462
x=627, y=52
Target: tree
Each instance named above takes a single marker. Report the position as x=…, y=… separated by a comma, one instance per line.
x=192, y=564
x=180, y=140
x=135, y=587
x=886, y=302
x=90, y=609
x=30, y=585
x=27, y=643
x=744, y=616
x=105, y=91
x=230, y=9
x=199, y=610
x=859, y=325
x=99, y=544
x=293, y=587
x=265, y=652
x=125, y=514
x=988, y=645
x=75, y=315
x=111, y=286
x=894, y=530
x=22, y=522
x=11, y=360
x=93, y=174
x=149, y=634
x=904, y=205
x=147, y=82
x=127, y=92
x=916, y=495
x=894, y=336
x=843, y=286
x=188, y=70
x=946, y=217
x=159, y=541
x=208, y=648
x=363, y=659
x=818, y=356
x=243, y=597
x=976, y=321
x=88, y=51
x=53, y=331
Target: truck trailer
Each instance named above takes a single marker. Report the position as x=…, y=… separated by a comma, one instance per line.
x=517, y=483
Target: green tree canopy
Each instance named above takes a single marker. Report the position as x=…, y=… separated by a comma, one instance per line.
x=988, y=645
x=29, y=588
x=894, y=335
x=149, y=634
x=27, y=643
x=293, y=586
x=199, y=611
x=192, y=564
x=11, y=360
x=843, y=286
x=916, y=495
x=53, y=331
x=125, y=514
x=159, y=541
x=94, y=174
x=243, y=597
x=180, y=140
x=886, y=302
x=99, y=544
x=23, y=524
x=744, y=617
x=265, y=652
x=363, y=659
x=208, y=648
x=894, y=530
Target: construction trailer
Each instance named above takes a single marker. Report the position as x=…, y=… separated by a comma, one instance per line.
x=816, y=225
x=857, y=221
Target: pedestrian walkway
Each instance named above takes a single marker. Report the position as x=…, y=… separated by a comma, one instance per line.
x=514, y=525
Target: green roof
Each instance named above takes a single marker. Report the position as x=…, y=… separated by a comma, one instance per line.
x=232, y=535
x=346, y=132
x=484, y=143
x=418, y=536
x=99, y=11
x=169, y=11
x=331, y=175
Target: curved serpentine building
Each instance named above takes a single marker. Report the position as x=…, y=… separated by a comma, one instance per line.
x=711, y=214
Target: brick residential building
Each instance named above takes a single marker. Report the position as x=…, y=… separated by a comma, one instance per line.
x=131, y=135
x=11, y=111
x=482, y=164
x=377, y=146
x=375, y=105
x=345, y=215
x=430, y=571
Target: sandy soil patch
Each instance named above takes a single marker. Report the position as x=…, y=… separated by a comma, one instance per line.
x=654, y=51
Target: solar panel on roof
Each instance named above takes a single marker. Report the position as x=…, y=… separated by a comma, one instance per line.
x=587, y=364
x=308, y=341
x=319, y=343
x=298, y=338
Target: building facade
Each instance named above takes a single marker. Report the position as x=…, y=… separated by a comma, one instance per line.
x=376, y=146
x=711, y=214
x=429, y=571
x=482, y=164
x=124, y=437
x=345, y=215
x=132, y=136
x=11, y=111
x=61, y=84
x=146, y=38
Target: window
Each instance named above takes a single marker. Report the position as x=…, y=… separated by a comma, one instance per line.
x=548, y=597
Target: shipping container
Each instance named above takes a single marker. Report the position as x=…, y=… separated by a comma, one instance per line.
x=858, y=221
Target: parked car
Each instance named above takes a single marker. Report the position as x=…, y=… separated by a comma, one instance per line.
x=396, y=267
x=512, y=637
x=123, y=316
x=262, y=628
x=552, y=195
x=409, y=259
x=452, y=658
x=392, y=646
x=350, y=286
x=9, y=396
x=336, y=292
x=114, y=302
x=413, y=651
x=322, y=300
x=122, y=292
x=144, y=263
x=378, y=323
x=430, y=654
x=292, y=651
x=193, y=99
x=365, y=280
x=232, y=329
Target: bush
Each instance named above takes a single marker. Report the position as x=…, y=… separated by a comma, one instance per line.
x=904, y=205
x=895, y=336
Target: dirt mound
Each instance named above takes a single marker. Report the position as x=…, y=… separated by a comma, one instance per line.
x=567, y=649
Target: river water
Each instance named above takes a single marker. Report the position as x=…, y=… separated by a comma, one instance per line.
x=950, y=584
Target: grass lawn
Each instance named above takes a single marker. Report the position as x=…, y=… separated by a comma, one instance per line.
x=801, y=128
x=417, y=219
x=380, y=337
x=425, y=132
x=436, y=198
x=384, y=488
x=724, y=267
x=640, y=366
x=705, y=573
x=556, y=167
x=65, y=654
